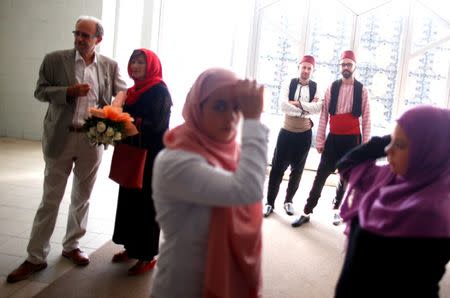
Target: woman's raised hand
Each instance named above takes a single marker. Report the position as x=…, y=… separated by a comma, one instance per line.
x=250, y=98
x=119, y=100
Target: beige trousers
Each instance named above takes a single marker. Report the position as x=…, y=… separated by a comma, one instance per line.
x=84, y=160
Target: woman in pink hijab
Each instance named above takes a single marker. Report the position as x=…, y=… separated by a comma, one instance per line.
x=398, y=215
x=207, y=190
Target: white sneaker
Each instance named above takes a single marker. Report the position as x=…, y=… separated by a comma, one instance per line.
x=289, y=208
x=268, y=209
x=337, y=219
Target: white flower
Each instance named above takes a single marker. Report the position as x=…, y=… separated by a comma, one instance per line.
x=101, y=126
x=92, y=131
x=110, y=132
x=103, y=131
x=104, y=139
x=117, y=136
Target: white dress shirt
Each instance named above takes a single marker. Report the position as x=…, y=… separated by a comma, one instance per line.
x=85, y=74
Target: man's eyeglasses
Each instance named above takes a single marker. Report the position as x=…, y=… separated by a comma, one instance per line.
x=349, y=65
x=83, y=34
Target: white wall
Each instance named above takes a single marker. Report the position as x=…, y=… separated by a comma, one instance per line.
x=28, y=30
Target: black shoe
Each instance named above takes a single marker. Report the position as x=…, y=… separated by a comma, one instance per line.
x=267, y=210
x=300, y=221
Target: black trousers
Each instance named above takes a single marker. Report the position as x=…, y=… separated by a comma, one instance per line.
x=292, y=149
x=336, y=146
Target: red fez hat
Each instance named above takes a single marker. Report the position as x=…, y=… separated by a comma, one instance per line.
x=348, y=55
x=309, y=59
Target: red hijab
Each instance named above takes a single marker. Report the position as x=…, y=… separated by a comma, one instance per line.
x=233, y=264
x=153, y=75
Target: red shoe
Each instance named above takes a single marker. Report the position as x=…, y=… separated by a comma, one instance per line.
x=24, y=271
x=141, y=267
x=120, y=257
x=77, y=257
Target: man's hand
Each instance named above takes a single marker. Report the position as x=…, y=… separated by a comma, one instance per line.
x=319, y=149
x=78, y=90
x=294, y=103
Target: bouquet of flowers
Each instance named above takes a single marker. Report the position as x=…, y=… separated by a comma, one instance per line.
x=108, y=125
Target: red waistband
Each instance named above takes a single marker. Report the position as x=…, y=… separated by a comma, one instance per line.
x=344, y=124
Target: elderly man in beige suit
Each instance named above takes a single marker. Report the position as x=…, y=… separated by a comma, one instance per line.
x=70, y=81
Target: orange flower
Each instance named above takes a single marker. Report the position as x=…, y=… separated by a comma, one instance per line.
x=115, y=114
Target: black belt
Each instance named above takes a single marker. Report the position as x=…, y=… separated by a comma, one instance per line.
x=76, y=129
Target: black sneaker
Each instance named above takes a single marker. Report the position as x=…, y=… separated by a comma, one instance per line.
x=300, y=221
x=267, y=210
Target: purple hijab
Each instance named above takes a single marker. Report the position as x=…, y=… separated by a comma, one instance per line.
x=417, y=204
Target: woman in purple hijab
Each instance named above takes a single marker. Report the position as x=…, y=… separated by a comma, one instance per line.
x=398, y=215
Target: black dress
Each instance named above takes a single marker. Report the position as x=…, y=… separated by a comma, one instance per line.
x=379, y=266
x=135, y=226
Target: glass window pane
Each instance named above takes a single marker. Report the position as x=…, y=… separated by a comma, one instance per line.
x=194, y=36
x=428, y=77
x=128, y=35
x=379, y=61
x=329, y=34
x=279, y=46
x=428, y=27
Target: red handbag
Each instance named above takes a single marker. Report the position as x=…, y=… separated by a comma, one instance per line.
x=127, y=165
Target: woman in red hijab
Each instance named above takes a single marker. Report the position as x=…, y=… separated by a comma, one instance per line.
x=208, y=190
x=149, y=103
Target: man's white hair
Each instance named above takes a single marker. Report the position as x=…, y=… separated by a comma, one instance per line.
x=99, y=27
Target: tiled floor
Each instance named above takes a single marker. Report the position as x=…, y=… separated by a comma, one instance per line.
x=21, y=176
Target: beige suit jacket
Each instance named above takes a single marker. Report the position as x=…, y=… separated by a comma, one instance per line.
x=57, y=72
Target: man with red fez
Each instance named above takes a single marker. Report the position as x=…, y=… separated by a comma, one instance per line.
x=294, y=138
x=346, y=106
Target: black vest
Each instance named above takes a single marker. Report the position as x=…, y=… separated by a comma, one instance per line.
x=357, y=97
x=293, y=86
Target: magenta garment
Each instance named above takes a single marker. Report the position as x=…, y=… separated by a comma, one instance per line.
x=418, y=204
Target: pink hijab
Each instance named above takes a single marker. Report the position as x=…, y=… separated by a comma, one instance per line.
x=418, y=204
x=233, y=265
